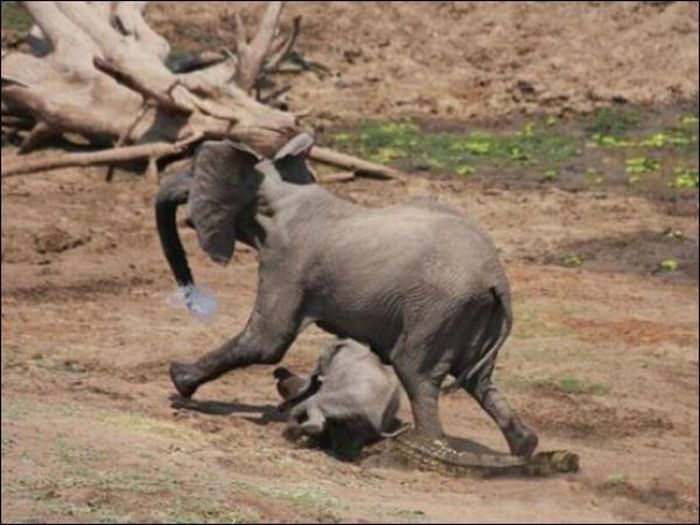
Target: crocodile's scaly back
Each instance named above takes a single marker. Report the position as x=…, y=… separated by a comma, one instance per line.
x=434, y=454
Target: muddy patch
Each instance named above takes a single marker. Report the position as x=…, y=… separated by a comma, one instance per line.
x=668, y=255
x=583, y=417
x=655, y=495
x=56, y=240
x=87, y=290
x=631, y=331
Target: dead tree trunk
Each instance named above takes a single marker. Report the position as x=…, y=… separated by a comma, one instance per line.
x=97, y=69
x=104, y=77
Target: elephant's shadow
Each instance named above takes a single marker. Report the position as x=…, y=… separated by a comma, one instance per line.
x=265, y=414
x=259, y=414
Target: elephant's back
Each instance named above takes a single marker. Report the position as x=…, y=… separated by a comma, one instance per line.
x=375, y=269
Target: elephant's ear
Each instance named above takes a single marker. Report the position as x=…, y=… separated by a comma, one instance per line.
x=290, y=161
x=224, y=183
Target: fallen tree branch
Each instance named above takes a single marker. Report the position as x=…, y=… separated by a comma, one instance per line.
x=102, y=63
x=124, y=136
x=18, y=122
x=251, y=55
x=200, y=60
x=271, y=97
x=40, y=132
x=123, y=77
x=24, y=165
x=341, y=176
x=285, y=48
x=362, y=168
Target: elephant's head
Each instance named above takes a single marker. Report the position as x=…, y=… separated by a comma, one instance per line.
x=221, y=186
x=226, y=178
x=293, y=388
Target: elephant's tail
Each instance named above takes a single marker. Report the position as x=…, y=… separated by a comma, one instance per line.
x=173, y=192
x=499, y=325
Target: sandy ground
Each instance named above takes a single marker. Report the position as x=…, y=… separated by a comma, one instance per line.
x=603, y=359
x=89, y=432
x=470, y=59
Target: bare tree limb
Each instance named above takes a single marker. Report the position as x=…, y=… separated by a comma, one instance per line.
x=355, y=164
x=251, y=56
x=275, y=94
x=341, y=176
x=102, y=65
x=26, y=165
x=128, y=80
x=285, y=48
x=125, y=136
x=129, y=15
x=73, y=49
x=39, y=133
x=17, y=122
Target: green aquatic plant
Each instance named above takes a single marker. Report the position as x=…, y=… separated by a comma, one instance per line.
x=690, y=120
x=572, y=261
x=684, y=178
x=549, y=175
x=612, y=121
x=455, y=151
x=638, y=166
x=668, y=265
x=464, y=170
x=15, y=17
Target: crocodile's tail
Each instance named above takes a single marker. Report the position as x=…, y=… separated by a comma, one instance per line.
x=497, y=330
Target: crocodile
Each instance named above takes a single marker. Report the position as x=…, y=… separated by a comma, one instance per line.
x=410, y=447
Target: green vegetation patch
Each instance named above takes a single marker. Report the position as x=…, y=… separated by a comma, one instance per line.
x=15, y=17
x=410, y=516
x=612, y=121
x=571, y=385
x=639, y=148
x=678, y=139
x=668, y=265
x=302, y=496
x=457, y=152
x=572, y=261
x=685, y=178
x=636, y=167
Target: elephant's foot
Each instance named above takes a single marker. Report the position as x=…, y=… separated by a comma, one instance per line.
x=521, y=441
x=186, y=378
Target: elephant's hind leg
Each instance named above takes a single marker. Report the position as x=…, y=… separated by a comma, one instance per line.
x=521, y=440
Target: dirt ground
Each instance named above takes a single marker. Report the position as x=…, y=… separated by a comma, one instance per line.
x=603, y=359
x=470, y=59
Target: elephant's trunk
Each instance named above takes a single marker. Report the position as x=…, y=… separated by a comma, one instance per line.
x=173, y=192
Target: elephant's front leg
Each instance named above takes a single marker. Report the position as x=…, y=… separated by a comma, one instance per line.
x=270, y=331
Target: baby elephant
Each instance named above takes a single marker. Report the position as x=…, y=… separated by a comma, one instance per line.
x=349, y=401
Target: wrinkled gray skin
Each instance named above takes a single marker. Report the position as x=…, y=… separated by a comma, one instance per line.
x=356, y=403
x=419, y=283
